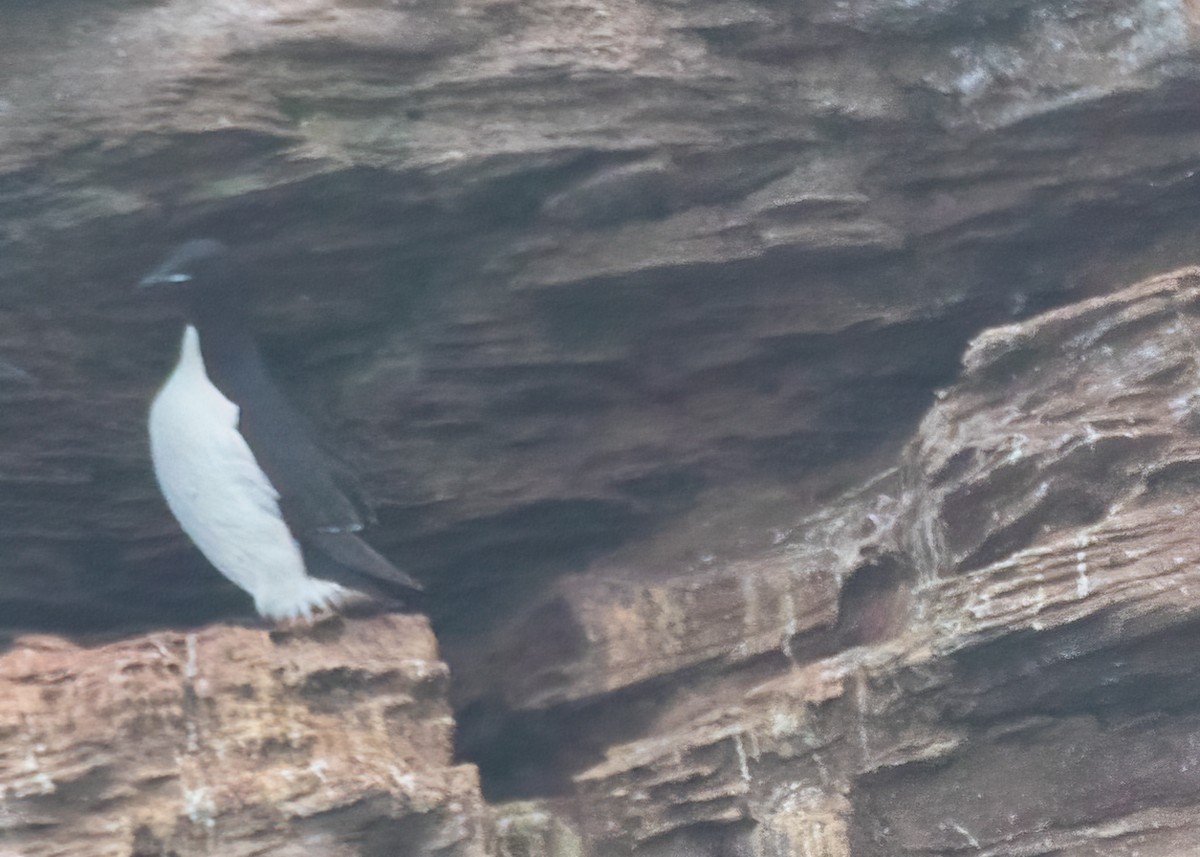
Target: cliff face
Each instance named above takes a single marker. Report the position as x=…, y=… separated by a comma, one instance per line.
x=1008, y=664
x=756, y=386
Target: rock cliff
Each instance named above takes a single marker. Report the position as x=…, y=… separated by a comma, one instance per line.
x=758, y=388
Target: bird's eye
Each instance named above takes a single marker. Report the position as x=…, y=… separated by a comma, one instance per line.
x=179, y=278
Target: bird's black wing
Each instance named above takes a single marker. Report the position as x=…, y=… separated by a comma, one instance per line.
x=345, y=558
x=309, y=496
x=320, y=512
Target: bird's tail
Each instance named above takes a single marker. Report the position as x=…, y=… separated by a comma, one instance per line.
x=354, y=555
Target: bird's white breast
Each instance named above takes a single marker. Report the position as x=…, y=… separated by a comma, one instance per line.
x=220, y=495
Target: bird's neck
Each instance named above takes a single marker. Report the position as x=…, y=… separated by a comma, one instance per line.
x=226, y=342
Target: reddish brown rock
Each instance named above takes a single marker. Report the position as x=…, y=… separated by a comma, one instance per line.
x=1037, y=696
x=234, y=741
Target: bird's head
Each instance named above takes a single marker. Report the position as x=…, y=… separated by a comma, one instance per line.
x=198, y=265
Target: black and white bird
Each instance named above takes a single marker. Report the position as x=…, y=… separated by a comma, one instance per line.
x=237, y=467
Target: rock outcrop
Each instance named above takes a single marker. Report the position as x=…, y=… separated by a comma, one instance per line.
x=757, y=387
x=234, y=741
x=1009, y=666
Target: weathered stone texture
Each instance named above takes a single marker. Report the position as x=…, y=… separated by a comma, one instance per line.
x=1038, y=699
x=231, y=741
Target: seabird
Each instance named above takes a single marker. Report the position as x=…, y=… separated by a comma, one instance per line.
x=238, y=469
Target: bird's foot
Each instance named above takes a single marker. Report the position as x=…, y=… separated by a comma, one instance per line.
x=321, y=623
